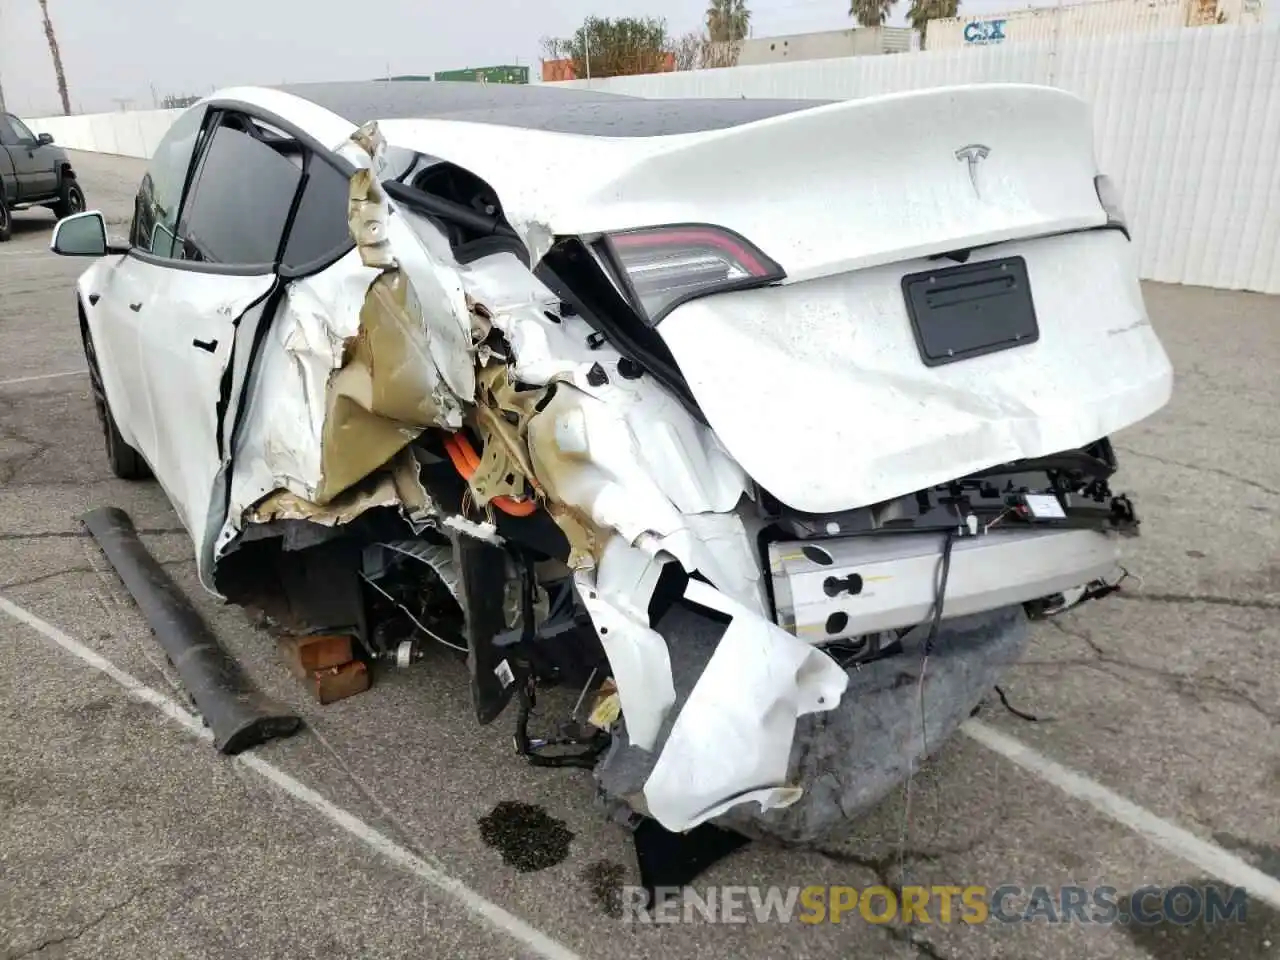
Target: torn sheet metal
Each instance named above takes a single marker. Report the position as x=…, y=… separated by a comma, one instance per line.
x=684, y=458
x=731, y=743
x=359, y=360
x=386, y=391
x=397, y=485
x=501, y=416
x=366, y=355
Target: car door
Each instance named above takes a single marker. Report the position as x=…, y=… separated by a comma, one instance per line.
x=233, y=221
x=124, y=295
x=34, y=162
x=17, y=159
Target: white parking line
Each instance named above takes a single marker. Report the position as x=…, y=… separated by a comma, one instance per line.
x=1209, y=857
x=431, y=873
x=43, y=376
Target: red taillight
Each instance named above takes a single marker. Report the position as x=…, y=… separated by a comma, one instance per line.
x=665, y=266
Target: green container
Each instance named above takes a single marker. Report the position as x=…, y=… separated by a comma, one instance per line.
x=504, y=74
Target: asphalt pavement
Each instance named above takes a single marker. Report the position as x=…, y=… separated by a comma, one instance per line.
x=372, y=833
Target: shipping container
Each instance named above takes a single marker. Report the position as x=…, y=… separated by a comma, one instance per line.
x=825, y=45
x=1047, y=24
x=502, y=74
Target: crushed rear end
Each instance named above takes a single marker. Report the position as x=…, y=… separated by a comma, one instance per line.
x=744, y=423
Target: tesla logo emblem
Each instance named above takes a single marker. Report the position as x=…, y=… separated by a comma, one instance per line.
x=973, y=154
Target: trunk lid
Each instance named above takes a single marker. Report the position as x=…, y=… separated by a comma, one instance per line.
x=825, y=190
x=818, y=389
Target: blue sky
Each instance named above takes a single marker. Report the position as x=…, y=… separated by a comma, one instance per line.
x=123, y=48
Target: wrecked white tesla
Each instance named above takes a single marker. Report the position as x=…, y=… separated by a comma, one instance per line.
x=760, y=423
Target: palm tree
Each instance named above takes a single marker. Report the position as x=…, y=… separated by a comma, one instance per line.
x=727, y=20
x=870, y=13
x=922, y=11
x=57, y=57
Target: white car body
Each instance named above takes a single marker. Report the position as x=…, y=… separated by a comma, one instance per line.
x=812, y=386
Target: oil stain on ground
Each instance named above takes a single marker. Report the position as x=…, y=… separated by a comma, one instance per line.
x=605, y=879
x=526, y=836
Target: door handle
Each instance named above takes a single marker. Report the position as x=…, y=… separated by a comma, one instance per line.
x=135, y=307
x=209, y=345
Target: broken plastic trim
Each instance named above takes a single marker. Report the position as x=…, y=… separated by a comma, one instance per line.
x=430, y=205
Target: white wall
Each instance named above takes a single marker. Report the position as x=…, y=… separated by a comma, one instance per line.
x=132, y=134
x=1186, y=120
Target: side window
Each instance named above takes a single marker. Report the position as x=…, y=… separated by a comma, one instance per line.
x=320, y=225
x=23, y=132
x=155, y=211
x=7, y=137
x=240, y=198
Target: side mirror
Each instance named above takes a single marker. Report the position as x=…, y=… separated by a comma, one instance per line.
x=82, y=235
x=44, y=139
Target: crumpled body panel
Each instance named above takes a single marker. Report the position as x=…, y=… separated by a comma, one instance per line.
x=390, y=341
x=398, y=340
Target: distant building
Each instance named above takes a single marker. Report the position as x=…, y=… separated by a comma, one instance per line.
x=1044, y=24
x=554, y=71
x=503, y=74
x=825, y=45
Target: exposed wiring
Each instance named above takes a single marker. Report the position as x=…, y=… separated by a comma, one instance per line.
x=416, y=622
x=939, y=600
x=583, y=695
x=466, y=462
x=1029, y=717
x=1003, y=513
x=940, y=591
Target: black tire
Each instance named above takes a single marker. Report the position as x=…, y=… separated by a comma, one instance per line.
x=125, y=462
x=6, y=219
x=70, y=199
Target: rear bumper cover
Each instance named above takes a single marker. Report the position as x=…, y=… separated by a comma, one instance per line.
x=847, y=587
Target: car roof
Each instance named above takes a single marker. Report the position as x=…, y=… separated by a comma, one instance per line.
x=555, y=108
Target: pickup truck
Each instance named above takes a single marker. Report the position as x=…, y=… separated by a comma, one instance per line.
x=33, y=172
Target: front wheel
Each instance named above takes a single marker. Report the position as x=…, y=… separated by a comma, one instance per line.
x=70, y=199
x=126, y=463
x=6, y=219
